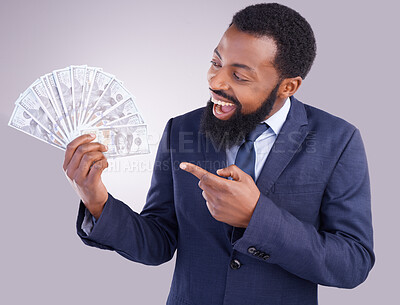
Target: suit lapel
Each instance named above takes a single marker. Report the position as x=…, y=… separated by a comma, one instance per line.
x=287, y=143
x=214, y=158
x=289, y=140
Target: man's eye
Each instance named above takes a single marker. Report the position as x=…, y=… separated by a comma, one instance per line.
x=215, y=64
x=237, y=77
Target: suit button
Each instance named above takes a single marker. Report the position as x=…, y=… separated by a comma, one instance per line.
x=235, y=264
x=251, y=250
x=265, y=256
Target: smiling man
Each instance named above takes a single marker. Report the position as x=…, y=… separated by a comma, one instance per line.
x=271, y=196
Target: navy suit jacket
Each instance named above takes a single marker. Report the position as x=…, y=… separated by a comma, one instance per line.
x=312, y=223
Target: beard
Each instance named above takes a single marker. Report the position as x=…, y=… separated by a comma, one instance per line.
x=227, y=133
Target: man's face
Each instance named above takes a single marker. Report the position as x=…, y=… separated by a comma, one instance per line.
x=120, y=144
x=242, y=68
x=243, y=86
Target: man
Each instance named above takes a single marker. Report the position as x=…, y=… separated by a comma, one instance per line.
x=255, y=218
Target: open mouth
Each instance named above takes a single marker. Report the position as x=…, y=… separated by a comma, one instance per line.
x=223, y=110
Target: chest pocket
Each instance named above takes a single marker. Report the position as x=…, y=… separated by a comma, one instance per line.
x=301, y=200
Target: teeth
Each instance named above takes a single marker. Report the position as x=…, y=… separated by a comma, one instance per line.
x=221, y=103
x=218, y=110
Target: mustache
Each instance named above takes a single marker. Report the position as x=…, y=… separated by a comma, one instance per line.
x=228, y=97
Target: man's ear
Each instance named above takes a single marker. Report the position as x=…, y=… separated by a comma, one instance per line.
x=289, y=86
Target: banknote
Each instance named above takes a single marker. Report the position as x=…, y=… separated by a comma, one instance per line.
x=121, y=140
x=23, y=121
x=61, y=118
x=117, y=112
x=63, y=104
x=131, y=119
x=101, y=82
x=39, y=90
x=63, y=81
x=115, y=94
x=57, y=101
x=30, y=102
x=89, y=78
x=78, y=77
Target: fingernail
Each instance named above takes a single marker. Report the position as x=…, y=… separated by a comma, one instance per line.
x=106, y=147
x=92, y=135
x=182, y=165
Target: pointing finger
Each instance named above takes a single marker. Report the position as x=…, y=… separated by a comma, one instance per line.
x=193, y=169
x=208, y=181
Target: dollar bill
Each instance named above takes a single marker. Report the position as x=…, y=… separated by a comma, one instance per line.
x=63, y=81
x=115, y=94
x=23, y=121
x=89, y=79
x=60, y=119
x=98, y=87
x=61, y=105
x=117, y=112
x=121, y=140
x=39, y=90
x=78, y=77
x=57, y=101
x=31, y=103
x=131, y=119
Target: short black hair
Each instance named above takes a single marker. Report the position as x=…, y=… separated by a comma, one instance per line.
x=296, y=46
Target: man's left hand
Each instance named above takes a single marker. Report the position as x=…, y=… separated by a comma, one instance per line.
x=229, y=201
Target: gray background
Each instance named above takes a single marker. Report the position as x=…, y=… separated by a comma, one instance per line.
x=161, y=50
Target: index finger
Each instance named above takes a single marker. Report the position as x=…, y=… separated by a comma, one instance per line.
x=73, y=145
x=194, y=169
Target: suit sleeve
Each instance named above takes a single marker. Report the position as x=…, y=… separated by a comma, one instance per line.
x=149, y=237
x=340, y=252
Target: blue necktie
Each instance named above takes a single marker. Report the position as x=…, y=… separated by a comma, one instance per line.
x=246, y=155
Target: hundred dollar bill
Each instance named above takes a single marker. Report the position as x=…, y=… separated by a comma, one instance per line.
x=115, y=94
x=121, y=140
x=78, y=77
x=39, y=90
x=57, y=101
x=23, y=121
x=30, y=102
x=97, y=89
x=63, y=81
x=89, y=78
x=131, y=119
x=117, y=112
x=61, y=118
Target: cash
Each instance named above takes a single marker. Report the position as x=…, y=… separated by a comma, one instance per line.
x=122, y=140
x=66, y=103
x=23, y=121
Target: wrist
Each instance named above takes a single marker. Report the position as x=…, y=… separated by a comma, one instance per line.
x=96, y=209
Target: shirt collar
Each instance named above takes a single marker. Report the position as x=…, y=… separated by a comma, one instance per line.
x=275, y=122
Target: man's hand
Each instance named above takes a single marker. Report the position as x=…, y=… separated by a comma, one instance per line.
x=83, y=164
x=229, y=201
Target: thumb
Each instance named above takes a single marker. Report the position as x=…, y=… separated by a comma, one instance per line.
x=232, y=171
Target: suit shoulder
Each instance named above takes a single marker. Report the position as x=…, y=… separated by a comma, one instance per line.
x=188, y=121
x=325, y=120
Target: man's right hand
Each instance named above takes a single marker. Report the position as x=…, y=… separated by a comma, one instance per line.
x=83, y=164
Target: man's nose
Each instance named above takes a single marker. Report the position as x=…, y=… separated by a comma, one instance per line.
x=218, y=80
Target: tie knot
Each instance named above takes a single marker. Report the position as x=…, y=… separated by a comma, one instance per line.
x=253, y=135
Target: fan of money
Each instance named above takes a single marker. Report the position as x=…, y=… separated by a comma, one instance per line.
x=76, y=100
